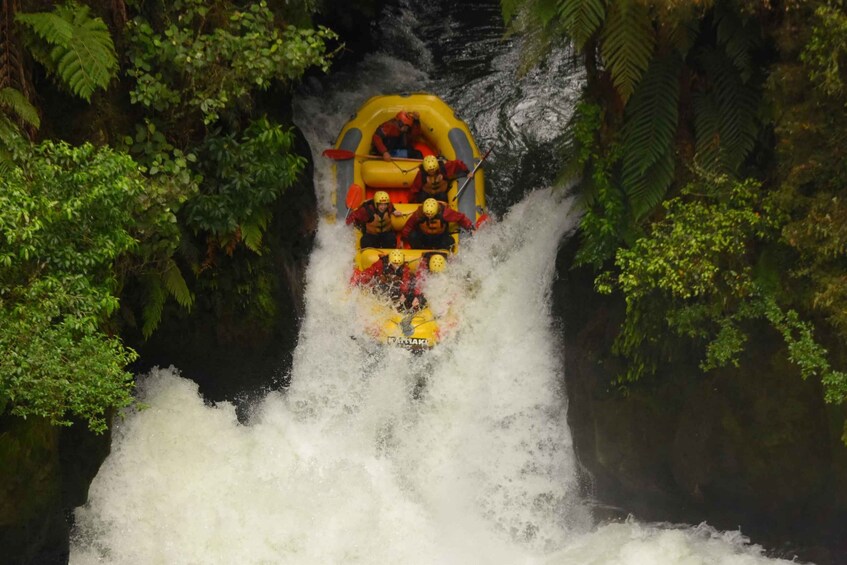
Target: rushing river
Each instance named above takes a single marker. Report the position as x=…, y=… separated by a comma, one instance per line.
x=461, y=455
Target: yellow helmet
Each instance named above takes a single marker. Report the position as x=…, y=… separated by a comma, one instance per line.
x=396, y=257
x=430, y=164
x=430, y=207
x=381, y=197
x=437, y=263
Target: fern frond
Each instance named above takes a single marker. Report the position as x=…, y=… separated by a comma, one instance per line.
x=52, y=27
x=176, y=285
x=707, y=125
x=651, y=122
x=582, y=18
x=735, y=105
x=627, y=44
x=252, y=230
x=649, y=189
x=738, y=38
x=251, y=234
x=151, y=315
x=545, y=10
x=15, y=102
x=82, y=53
x=682, y=35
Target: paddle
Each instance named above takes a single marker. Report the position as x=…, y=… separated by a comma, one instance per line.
x=483, y=217
x=355, y=195
x=345, y=155
x=467, y=180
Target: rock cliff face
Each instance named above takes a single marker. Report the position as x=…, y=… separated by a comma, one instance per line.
x=753, y=447
x=44, y=473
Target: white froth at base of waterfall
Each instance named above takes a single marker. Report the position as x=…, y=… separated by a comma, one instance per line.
x=349, y=466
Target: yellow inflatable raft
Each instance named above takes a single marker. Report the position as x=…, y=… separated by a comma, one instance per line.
x=357, y=165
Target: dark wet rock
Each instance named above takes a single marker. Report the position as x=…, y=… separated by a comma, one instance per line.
x=753, y=447
x=46, y=472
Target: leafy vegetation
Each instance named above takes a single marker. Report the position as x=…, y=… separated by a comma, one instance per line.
x=95, y=240
x=242, y=178
x=809, y=94
x=675, y=81
x=73, y=46
x=197, y=69
x=695, y=267
x=193, y=67
x=709, y=144
x=67, y=215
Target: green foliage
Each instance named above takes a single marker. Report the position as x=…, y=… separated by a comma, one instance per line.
x=700, y=247
x=242, y=177
x=604, y=221
x=826, y=50
x=67, y=215
x=14, y=103
x=696, y=267
x=648, y=135
x=12, y=142
x=628, y=43
x=808, y=94
x=154, y=303
x=73, y=46
x=187, y=68
x=805, y=352
x=56, y=359
x=667, y=107
x=725, y=115
x=81, y=227
x=679, y=90
x=75, y=224
x=582, y=18
x=198, y=67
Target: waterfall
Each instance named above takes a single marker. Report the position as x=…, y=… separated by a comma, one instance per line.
x=375, y=455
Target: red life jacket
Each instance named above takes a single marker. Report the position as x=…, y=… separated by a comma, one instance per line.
x=393, y=137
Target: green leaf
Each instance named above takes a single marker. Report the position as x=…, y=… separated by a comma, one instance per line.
x=628, y=42
x=582, y=18
x=651, y=122
x=738, y=38
x=50, y=26
x=82, y=54
x=151, y=315
x=176, y=286
x=725, y=118
x=14, y=101
x=546, y=10
x=251, y=233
